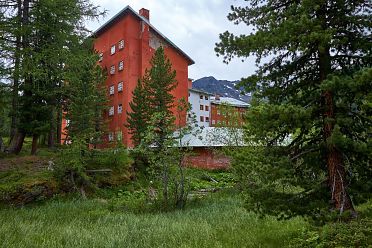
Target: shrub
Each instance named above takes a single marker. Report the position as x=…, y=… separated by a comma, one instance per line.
x=80, y=168
x=354, y=234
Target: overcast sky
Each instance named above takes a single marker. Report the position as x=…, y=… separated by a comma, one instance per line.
x=194, y=26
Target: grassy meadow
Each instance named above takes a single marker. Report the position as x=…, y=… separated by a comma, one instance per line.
x=219, y=221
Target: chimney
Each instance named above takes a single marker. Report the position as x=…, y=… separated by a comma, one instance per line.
x=190, y=83
x=145, y=13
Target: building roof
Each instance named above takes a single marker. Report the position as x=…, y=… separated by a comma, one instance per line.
x=230, y=101
x=129, y=10
x=215, y=137
x=200, y=91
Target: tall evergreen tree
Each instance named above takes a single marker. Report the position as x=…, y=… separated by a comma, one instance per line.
x=314, y=87
x=152, y=95
x=85, y=99
x=47, y=31
x=160, y=80
x=138, y=117
x=152, y=120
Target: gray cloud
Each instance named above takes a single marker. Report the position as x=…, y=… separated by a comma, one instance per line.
x=193, y=26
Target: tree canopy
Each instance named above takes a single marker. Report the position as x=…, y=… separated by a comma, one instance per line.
x=312, y=91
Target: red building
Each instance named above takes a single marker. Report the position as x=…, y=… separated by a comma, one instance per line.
x=126, y=44
x=226, y=111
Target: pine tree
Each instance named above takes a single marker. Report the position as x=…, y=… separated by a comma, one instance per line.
x=161, y=80
x=138, y=118
x=42, y=41
x=151, y=96
x=312, y=97
x=85, y=95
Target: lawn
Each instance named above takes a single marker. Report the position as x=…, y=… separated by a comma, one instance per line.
x=219, y=221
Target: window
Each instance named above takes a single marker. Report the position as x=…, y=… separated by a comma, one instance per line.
x=111, y=137
x=201, y=97
x=201, y=107
x=112, y=90
x=218, y=112
x=121, y=65
x=120, y=87
x=121, y=44
x=206, y=108
x=100, y=57
x=68, y=122
x=113, y=50
x=120, y=108
x=206, y=98
x=213, y=122
x=201, y=118
x=112, y=70
x=206, y=119
x=111, y=111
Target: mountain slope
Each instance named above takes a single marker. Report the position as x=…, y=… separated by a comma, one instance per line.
x=222, y=87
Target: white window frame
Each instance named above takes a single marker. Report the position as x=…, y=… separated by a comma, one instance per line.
x=111, y=111
x=120, y=86
x=213, y=122
x=110, y=137
x=120, y=108
x=112, y=90
x=113, y=49
x=121, y=65
x=112, y=70
x=121, y=44
x=100, y=57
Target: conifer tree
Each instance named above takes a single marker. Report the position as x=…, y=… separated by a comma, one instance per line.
x=312, y=99
x=152, y=121
x=161, y=80
x=85, y=96
x=152, y=95
x=41, y=43
x=138, y=117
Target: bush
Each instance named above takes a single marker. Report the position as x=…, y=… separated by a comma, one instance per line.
x=80, y=168
x=354, y=234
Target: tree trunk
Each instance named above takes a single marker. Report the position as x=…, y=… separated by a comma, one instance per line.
x=51, y=135
x=335, y=162
x=59, y=125
x=165, y=185
x=35, y=138
x=2, y=148
x=15, y=88
x=16, y=144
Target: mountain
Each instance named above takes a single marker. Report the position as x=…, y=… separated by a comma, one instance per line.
x=221, y=87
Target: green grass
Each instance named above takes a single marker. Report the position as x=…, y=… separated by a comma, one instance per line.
x=215, y=222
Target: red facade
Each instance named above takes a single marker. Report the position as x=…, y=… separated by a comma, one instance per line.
x=220, y=117
x=135, y=41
